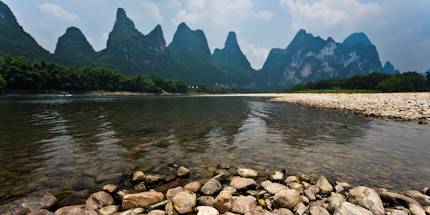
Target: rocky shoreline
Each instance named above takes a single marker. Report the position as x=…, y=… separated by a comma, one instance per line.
x=230, y=191
x=398, y=106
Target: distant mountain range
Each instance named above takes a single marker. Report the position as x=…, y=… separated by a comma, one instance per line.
x=306, y=58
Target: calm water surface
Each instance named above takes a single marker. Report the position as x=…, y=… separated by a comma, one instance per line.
x=77, y=144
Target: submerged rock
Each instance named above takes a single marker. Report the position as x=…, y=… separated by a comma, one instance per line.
x=36, y=201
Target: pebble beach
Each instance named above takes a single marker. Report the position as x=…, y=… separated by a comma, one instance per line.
x=399, y=106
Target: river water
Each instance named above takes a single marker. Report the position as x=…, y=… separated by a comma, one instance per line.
x=77, y=144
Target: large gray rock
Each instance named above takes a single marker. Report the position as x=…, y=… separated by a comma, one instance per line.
x=424, y=200
x=75, y=209
x=286, y=198
x=273, y=188
x=347, y=208
x=36, y=201
x=184, y=202
x=398, y=199
x=224, y=202
x=108, y=210
x=318, y=211
x=243, y=205
x=206, y=210
x=334, y=201
x=99, y=200
x=367, y=198
x=211, y=187
x=247, y=173
x=324, y=185
x=243, y=183
x=144, y=200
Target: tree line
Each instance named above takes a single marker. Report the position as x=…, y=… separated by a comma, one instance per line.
x=378, y=82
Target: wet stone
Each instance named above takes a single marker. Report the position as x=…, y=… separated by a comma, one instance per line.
x=193, y=186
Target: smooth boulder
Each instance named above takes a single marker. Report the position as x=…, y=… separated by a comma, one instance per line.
x=193, y=186
x=367, y=198
x=75, y=209
x=224, y=202
x=347, y=208
x=273, y=188
x=286, y=198
x=99, y=200
x=424, y=200
x=243, y=205
x=143, y=200
x=211, y=187
x=36, y=201
x=247, y=173
x=184, y=202
x=206, y=210
x=324, y=185
x=243, y=183
x=182, y=172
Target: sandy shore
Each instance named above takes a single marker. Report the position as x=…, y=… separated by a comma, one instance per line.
x=402, y=106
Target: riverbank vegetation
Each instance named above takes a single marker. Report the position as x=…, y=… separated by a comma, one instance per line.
x=371, y=83
x=20, y=74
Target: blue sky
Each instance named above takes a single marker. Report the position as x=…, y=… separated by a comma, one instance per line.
x=399, y=29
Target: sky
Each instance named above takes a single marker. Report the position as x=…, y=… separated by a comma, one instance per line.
x=399, y=29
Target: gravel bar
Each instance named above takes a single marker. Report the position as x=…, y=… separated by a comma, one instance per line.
x=398, y=106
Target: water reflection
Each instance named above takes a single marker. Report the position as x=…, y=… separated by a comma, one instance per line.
x=77, y=144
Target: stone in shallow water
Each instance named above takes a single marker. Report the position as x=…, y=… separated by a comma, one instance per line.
x=193, y=186
x=99, y=200
x=182, y=172
x=247, y=173
x=36, y=201
x=243, y=183
x=324, y=185
x=211, y=187
x=276, y=176
x=144, y=200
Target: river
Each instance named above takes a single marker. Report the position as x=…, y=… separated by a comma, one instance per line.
x=76, y=144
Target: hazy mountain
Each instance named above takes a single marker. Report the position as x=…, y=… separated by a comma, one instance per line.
x=308, y=58
x=389, y=68
x=14, y=41
x=235, y=63
x=357, y=38
x=191, y=49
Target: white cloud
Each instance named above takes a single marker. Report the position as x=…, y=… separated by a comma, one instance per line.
x=264, y=15
x=326, y=15
x=58, y=12
x=256, y=55
x=104, y=37
x=173, y=3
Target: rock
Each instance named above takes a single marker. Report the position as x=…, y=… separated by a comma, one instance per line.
x=133, y=211
x=338, y=188
x=426, y=191
x=41, y=212
x=398, y=199
x=72, y=199
x=223, y=166
x=253, y=193
x=324, y=185
x=314, y=189
x=172, y=192
x=75, y=209
x=300, y=208
x=367, y=198
x=428, y=210
x=247, y=173
x=219, y=171
x=310, y=195
x=193, y=186
x=297, y=187
x=206, y=210
x=182, y=172
x=291, y=179
x=156, y=212
x=153, y=179
x=110, y=188
x=108, y=210
x=184, y=202
x=159, y=205
x=169, y=209
x=343, y=184
x=347, y=208
x=318, y=211
x=268, y=204
x=229, y=189
x=424, y=200
x=140, y=187
x=99, y=200
x=282, y=211
x=390, y=211
x=221, y=176
x=305, y=178
x=35, y=201
x=273, y=188
x=334, y=201
x=305, y=199
x=144, y=200
x=104, y=177
x=119, y=196
x=211, y=187
x=286, y=198
x=84, y=183
x=243, y=205
x=259, y=211
x=243, y=183
x=138, y=176
x=223, y=202
x=206, y=201
x=276, y=176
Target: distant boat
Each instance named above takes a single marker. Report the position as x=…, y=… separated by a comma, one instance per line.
x=64, y=94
